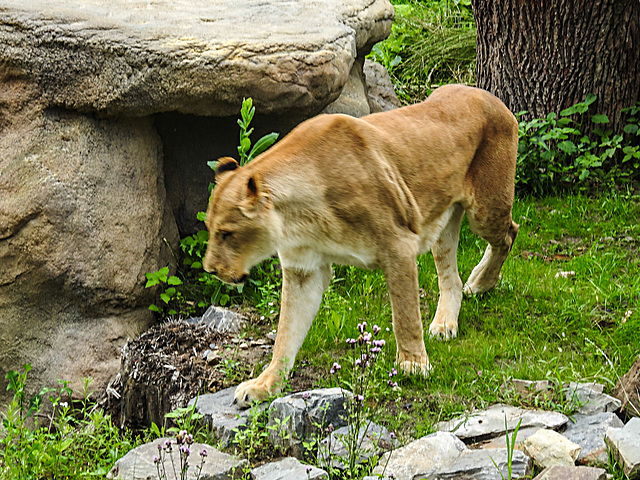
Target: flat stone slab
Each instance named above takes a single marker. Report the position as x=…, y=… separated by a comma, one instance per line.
x=490, y=423
x=139, y=57
x=487, y=464
x=442, y=455
x=572, y=473
x=588, y=432
x=287, y=469
x=591, y=397
x=139, y=463
x=221, y=415
x=625, y=446
x=421, y=456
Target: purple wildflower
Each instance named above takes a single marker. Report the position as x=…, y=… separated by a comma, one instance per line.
x=335, y=367
x=376, y=329
x=203, y=453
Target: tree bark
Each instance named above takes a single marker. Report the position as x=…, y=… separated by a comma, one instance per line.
x=545, y=55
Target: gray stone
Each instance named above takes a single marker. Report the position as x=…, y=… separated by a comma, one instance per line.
x=372, y=440
x=482, y=465
x=353, y=98
x=380, y=91
x=548, y=448
x=305, y=415
x=139, y=464
x=222, y=416
x=421, y=456
x=287, y=469
x=136, y=57
x=588, y=432
x=591, y=398
x=560, y=472
x=490, y=423
x=624, y=444
x=83, y=215
x=221, y=320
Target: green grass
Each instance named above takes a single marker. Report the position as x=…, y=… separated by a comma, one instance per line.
x=534, y=325
x=431, y=43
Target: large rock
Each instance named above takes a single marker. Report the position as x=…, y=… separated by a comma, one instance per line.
x=287, y=469
x=82, y=218
x=222, y=416
x=559, y=472
x=134, y=57
x=109, y=112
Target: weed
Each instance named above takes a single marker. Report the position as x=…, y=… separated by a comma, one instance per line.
x=72, y=443
x=511, y=445
x=183, y=444
x=357, y=386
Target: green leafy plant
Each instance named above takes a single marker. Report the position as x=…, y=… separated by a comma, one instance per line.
x=191, y=290
x=60, y=446
x=555, y=156
x=511, y=445
x=246, y=152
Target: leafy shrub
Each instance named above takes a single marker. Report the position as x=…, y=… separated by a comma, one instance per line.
x=554, y=155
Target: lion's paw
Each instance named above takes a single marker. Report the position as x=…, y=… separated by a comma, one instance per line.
x=250, y=392
x=415, y=368
x=446, y=330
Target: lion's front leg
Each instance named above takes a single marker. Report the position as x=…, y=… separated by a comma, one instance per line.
x=402, y=281
x=301, y=296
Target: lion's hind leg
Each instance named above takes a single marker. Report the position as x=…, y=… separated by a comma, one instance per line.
x=445, y=321
x=500, y=233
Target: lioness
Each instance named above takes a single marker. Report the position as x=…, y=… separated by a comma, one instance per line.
x=374, y=192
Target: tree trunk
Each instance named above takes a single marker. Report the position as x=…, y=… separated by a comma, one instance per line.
x=545, y=55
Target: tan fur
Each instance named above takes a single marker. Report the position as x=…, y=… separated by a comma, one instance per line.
x=372, y=192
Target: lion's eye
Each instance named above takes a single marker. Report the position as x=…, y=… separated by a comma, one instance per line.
x=225, y=235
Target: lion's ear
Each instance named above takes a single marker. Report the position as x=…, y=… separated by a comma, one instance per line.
x=257, y=196
x=225, y=165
